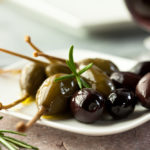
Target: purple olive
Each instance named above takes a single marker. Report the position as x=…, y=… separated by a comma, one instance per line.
x=121, y=103
x=125, y=80
x=143, y=90
x=87, y=105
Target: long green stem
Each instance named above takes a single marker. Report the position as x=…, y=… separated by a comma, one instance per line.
x=5, y=143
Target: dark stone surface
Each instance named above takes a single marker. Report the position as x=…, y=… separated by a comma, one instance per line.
x=47, y=138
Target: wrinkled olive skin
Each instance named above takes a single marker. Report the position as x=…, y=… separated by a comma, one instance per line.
x=120, y=103
x=125, y=80
x=99, y=80
x=143, y=90
x=105, y=65
x=87, y=105
x=56, y=96
x=32, y=76
x=141, y=68
x=55, y=68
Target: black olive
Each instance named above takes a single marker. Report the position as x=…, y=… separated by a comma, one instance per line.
x=143, y=90
x=87, y=105
x=121, y=103
x=141, y=68
x=125, y=80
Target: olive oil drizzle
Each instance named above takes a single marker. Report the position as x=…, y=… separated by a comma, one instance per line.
x=57, y=116
x=28, y=100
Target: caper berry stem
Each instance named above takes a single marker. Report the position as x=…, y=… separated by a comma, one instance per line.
x=49, y=57
x=28, y=40
x=24, y=57
x=38, y=52
x=22, y=127
x=12, y=104
x=13, y=71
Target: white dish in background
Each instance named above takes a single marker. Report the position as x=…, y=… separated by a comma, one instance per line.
x=9, y=91
x=78, y=16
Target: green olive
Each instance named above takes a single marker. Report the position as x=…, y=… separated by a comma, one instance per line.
x=55, y=68
x=105, y=65
x=55, y=96
x=31, y=78
x=99, y=80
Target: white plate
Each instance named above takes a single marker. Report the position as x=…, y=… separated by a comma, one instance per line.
x=98, y=15
x=9, y=91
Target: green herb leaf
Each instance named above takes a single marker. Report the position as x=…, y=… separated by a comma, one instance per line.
x=13, y=145
x=1, y=117
x=65, y=77
x=85, y=84
x=6, y=144
x=71, y=60
x=13, y=132
x=72, y=67
x=19, y=143
x=79, y=82
x=85, y=68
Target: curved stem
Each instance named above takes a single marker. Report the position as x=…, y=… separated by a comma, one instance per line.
x=49, y=57
x=28, y=40
x=38, y=52
x=21, y=126
x=24, y=57
x=13, y=71
x=13, y=103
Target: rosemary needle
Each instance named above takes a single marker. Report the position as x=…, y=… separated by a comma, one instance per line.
x=72, y=66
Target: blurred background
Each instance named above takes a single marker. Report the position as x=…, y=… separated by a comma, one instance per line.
x=99, y=25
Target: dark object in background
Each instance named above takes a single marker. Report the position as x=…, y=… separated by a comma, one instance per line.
x=143, y=90
x=121, y=103
x=125, y=80
x=140, y=10
x=87, y=105
x=141, y=68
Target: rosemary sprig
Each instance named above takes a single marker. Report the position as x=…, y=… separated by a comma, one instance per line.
x=81, y=82
x=12, y=143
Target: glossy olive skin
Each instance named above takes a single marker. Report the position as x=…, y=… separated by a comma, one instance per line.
x=141, y=68
x=55, y=68
x=143, y=90
x=121, y=103
x=32, y=76
x=99, y=80
x=125, y=80
x=106, y=66
x=87, y=105
x=55, y=96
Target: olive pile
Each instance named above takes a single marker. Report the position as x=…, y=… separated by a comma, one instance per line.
x=86, y=88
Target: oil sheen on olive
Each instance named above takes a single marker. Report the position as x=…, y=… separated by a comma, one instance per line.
x=105, y=65
x=125, y=80
x=141, y=68
x=99, y=80
x=87, y=105
x=121, y=103
x=31, y=78
x=55, y=96
x=143, y=91
x=55, y=68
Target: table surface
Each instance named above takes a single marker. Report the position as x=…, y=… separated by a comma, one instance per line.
x=14, y=24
